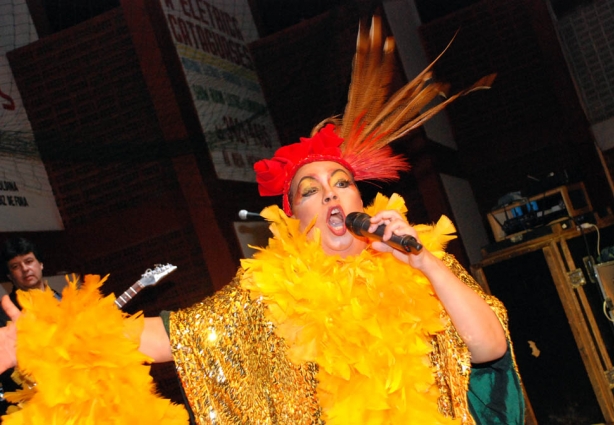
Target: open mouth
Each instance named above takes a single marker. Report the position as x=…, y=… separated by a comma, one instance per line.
x=336, y=221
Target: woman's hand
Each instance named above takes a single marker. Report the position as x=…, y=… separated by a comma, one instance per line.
x=396, y=224
x=8, y=336
x=473, y=319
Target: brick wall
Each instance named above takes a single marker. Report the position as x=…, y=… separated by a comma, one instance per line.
x=108, y=164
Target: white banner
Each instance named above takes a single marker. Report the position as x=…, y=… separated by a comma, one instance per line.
x=211, y=39
x=26, y=199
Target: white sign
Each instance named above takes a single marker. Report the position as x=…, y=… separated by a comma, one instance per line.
x=26, y=199
x=211, y=39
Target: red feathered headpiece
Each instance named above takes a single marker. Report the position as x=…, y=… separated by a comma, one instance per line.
x=275, y=175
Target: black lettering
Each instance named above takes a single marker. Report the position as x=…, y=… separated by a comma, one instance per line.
x=247, y=57
x=203, y=12
x=185, y=33
x=237, y=160
x=203, y=39
x=226, y=156
x=245, y=132
x=267, y=142
x=8, y=186
x=220, y=133
x=233, y=127
x=186, y=6
x=236, y=31
x=21, y=201
x=174, y=24
x=193, y=38
x=218, y=17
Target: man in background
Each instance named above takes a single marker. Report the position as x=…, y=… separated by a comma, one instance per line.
x=21, y=262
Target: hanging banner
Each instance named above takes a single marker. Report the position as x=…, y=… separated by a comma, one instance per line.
x=26, y=199
x=211, y=38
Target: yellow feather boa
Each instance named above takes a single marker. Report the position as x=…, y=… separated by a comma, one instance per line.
x=82, y=354
x=367, y=321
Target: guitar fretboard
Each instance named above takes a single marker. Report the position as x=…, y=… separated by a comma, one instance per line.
x=150, y=277
x=123, y=299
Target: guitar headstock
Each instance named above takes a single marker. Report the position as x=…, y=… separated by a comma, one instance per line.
x=153, y=276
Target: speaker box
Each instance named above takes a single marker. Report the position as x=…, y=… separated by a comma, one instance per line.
x=562, y=340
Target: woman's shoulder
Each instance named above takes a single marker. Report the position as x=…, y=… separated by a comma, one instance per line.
x=230, y=300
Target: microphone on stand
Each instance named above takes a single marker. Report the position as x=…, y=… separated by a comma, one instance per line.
x=358, y=223
x=246, y=215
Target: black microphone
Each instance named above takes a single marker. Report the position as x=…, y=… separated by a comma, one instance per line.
x=245, y=215
x=358, y=223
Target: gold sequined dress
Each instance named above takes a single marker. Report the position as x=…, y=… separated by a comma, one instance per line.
x=301, y=337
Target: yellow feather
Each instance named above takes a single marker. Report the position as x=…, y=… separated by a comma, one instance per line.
x=365, y=320
x=82, y=354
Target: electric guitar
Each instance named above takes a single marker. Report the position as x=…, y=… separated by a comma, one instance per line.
x=150, y=277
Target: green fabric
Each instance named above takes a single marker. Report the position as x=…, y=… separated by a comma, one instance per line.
x=165, y=316
x=495, y=394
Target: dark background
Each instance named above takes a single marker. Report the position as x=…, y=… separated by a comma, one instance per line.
x=128, y=164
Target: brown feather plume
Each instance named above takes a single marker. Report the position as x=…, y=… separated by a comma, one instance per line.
x=371, y=120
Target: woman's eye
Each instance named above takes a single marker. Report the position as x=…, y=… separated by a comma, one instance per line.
x=309, y=191
x=343, y=183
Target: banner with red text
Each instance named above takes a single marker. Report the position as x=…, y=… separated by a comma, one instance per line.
x=26, y=199
x=211, y=38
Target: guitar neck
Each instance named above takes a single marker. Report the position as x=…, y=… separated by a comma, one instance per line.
x=150, y=277
x=123, y=299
